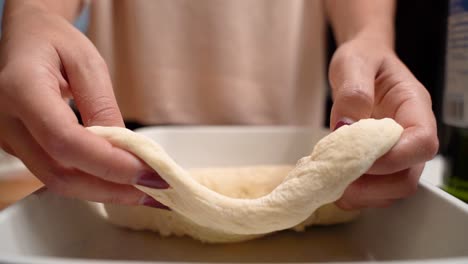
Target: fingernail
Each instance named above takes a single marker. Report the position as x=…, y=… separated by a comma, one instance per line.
x=342, y=122
x=151, y=202
x=152, y=179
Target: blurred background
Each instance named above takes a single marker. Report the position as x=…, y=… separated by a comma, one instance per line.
x=421, y=27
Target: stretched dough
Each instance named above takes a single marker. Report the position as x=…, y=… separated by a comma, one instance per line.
x=205, y=208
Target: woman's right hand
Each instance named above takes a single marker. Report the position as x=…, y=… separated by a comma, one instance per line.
x=43, y=60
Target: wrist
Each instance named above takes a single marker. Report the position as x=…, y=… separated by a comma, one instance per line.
x=20, y=10
x=362, y=19
x=373, y=35
x=14, y=10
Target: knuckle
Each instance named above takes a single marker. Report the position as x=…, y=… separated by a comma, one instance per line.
x=94, y=61
x=357, y=94
x=106, y=110
x=429, y=143
x=419, y=90
x=346, y=53
x=344, y=57
x=432, y=148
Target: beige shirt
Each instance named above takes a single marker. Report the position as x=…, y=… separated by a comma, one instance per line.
x=214, y=61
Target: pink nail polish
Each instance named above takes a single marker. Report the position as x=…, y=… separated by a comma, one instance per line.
x=152, y=179
x=342, y=122
x=151, y=202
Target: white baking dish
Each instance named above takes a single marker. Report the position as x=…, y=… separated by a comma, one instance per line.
x=430, y=227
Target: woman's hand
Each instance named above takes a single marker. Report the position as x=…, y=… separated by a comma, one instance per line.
x=44, y=59
x=369, y=80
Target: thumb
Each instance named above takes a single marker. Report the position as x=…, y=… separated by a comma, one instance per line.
x=90, y=85
x=352, y=83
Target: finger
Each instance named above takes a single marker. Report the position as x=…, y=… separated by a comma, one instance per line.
x=352, y=82
x=371, y=190
x=58, y=133
x=92, y=90
x=413, y=111
x=89, y=82
x=54, y=126
x=416, y=145
x=64, y=181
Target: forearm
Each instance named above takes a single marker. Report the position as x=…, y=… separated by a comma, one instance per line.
x=69, y=9
x=373, y=19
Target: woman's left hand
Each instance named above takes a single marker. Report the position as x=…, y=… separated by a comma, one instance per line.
x=369, y=81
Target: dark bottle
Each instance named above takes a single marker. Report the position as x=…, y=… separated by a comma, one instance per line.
x=455, y=104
